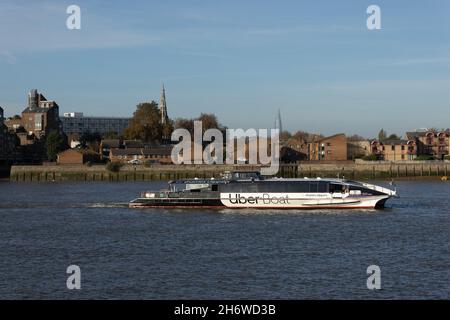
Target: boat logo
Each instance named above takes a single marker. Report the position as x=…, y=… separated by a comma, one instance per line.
x=264, y=199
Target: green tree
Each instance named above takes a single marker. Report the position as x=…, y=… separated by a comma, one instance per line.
x=301, y=135
x=393, y=137
x=55, y=143
x=209, y=121
x=355, y=137
x=145, y=123
x=371, y=157
x=183, y=123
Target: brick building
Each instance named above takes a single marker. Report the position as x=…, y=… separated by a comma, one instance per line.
x=394, y=150
x=333, y=148
x=41, y=116
x=431, y=142
x=77, y=156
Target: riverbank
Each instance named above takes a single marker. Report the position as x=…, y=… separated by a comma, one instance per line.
x=349, y=170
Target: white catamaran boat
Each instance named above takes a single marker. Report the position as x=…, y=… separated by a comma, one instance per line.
x=250, y=190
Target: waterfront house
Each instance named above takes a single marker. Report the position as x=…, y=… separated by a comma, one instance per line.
x=399, y=150
x=394, y=150
x=333, y=148
x=107, y=145
x=431, y=142
x=77, y=156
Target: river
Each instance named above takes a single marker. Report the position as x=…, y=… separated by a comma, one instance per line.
x=205, y=254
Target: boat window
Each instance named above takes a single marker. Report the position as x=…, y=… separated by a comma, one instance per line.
x=313, y=187
x=335, y=187
x=323, y=186
x=246, y=175
x=215, y=187
x=276, y=186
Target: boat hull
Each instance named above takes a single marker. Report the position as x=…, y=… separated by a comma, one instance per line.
x=265, y=201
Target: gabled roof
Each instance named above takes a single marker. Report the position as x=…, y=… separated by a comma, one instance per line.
x=416, y=134
x=111, y=143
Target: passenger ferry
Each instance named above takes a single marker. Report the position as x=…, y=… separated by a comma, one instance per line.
x=250, y=190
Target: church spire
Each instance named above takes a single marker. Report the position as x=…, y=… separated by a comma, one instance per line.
x=163, y=106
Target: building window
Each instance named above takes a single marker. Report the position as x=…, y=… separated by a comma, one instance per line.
x=37, y=122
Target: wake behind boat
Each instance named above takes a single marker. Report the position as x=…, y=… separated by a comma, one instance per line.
x=250, y=190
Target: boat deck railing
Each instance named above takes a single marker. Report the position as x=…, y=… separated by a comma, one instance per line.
x=380, y=189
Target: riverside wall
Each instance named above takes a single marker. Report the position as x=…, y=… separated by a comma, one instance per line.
x=367, y=170
x=350, y=170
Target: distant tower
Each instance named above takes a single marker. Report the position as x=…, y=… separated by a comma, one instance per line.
x=278, y=123
x=163, y=106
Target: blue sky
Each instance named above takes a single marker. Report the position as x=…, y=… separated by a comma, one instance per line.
x=242, y=60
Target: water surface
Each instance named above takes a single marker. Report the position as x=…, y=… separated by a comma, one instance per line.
x=228, y=254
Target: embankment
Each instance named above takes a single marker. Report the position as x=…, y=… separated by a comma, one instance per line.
x=349, y=170
x=126, y=173
x=364, y=170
